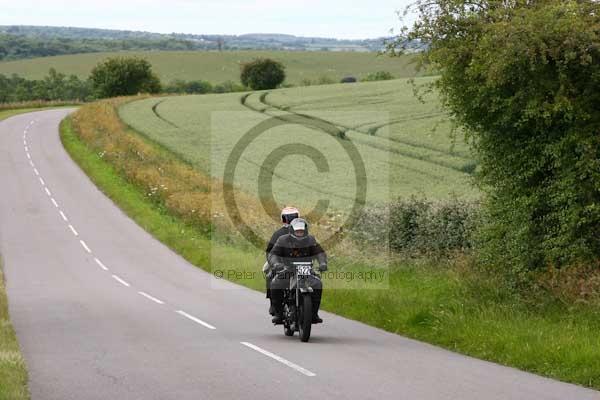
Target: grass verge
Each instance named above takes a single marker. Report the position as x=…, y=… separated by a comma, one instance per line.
x=453, y=306
x=13, y=372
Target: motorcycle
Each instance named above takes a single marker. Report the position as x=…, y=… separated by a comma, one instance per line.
x=297, y=302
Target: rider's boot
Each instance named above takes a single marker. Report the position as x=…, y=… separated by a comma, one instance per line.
x=278, y=318
x=272, y=308
x=316, y=304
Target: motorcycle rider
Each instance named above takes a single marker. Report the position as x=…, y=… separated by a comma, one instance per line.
x=297, y=245
x=288, y=214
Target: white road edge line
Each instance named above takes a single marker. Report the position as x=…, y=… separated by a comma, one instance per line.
x=64, y=217
x=100, y=264
x=26, y=148
x=121, y=281
x=72, y=229
x=36, y=171
x=29, y=156
x=85, y=246
x=42, y=182
x=32, y=164
x=154, y=299
x=54, y=202
x=280, y=359
x=48, y=192
x=196, y=320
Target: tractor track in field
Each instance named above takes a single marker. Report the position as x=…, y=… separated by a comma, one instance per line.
x=244, y=102
x=344, y=129
x=155, y=111
x=372, y=131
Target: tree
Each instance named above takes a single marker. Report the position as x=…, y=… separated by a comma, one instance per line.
x=121, y=76
x=523, y=78
x=262, y=73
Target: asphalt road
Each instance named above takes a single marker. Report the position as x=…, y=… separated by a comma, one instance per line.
x=104, y=311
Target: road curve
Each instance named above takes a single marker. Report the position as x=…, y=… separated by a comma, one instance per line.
x=104, y=311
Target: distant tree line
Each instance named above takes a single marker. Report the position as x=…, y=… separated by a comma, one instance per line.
x=114, y=40
x=14, y=47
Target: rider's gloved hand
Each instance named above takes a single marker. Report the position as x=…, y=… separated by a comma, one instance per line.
x=322, y=267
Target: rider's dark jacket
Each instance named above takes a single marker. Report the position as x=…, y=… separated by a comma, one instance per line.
x=284, y=230
x=288, y=248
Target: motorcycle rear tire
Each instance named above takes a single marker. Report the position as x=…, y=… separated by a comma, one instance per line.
x=305, y=318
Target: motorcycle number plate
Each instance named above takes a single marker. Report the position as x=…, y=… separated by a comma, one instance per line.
x=304, y=269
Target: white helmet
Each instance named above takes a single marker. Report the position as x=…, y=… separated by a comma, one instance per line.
x=299, y=224
x=288, y=214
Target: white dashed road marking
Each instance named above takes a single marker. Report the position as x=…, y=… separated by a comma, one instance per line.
x=280, y=359
x=85, y=246
x=196, y=320
x=73, y=230
x=121, y=281
x=104, y=267
x=154, y=299
x=100, y=264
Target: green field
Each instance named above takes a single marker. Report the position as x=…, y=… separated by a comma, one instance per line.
x=391, y=131
x=217, y=67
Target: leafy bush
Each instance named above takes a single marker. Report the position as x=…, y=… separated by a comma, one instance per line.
x=54, y=87
x=523, y=78
x=325, y=80
x=122, y=76
x=228, y=87
x=189, y=87
x=378, y=76
x=416, y=227
x=262, y=73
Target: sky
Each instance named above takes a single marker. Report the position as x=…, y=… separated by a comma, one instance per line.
x=353, y=19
